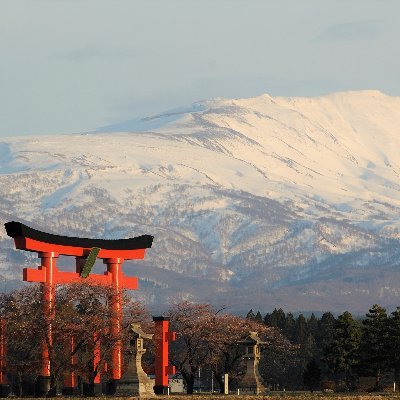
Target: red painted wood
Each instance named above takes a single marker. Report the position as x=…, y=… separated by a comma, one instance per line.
x=70, y=380
x=162, y=337
x=171, y=370
x=48, y=295
x=62, y=277
x=114, y=268
x=28, y=244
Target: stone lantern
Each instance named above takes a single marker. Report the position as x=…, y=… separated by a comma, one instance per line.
x=252, y=381
x=135, y=381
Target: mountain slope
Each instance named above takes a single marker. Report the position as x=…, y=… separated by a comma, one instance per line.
x=258, y=202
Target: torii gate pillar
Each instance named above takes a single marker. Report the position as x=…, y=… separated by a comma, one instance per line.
x=114, y=267
x=49, y=268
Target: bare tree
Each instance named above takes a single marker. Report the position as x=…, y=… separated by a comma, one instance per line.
x=211, y=337
x=194, y=326
x=82, y=312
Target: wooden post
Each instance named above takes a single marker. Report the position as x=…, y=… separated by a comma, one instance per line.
x=162, y=337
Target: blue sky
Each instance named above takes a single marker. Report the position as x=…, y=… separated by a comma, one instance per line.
x=72, y=66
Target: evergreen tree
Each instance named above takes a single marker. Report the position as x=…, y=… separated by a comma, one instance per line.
x=301, y=329
x=375, y=342
x=258, y=317
x=394, y=343
x=307, y=347
x=267, y=319
x=290, y=327
x=312, y=375
x=280, y=319
x=276, y=319
x=307, y=351
x=250, y=314
x=324, y=337
x=312, y=326
x=326, y=327
x=342, y=353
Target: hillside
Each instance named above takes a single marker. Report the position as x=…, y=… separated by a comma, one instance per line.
x=261, y=202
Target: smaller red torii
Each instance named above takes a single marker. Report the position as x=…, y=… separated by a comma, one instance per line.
x=162, y=337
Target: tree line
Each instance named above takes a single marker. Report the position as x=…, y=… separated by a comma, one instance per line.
x=335, y=352
x=207, y=338
x=300, y=352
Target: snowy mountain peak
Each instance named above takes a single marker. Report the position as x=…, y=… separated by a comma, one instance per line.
x=293, y=200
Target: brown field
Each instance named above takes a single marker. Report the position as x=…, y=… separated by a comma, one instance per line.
x=273, y=395
x=276, y=396
x=288, y=396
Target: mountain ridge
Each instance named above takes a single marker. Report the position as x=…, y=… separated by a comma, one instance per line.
x=286, y=201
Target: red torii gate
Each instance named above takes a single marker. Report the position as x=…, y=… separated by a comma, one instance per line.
x=113, y=253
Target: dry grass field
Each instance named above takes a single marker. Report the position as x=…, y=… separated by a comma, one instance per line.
x=299, y=395
x=285, y=396
x=273, y=396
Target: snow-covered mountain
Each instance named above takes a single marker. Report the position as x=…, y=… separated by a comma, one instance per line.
x=260, y=202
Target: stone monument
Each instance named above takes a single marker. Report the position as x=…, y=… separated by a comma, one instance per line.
x=252, y=381
x=135, y=381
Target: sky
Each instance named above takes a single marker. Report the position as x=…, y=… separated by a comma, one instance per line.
x=75, y=65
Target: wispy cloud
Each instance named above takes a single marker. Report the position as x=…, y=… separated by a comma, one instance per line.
x=357, y=30
x=89, y=53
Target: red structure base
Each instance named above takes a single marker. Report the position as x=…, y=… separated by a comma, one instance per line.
x=69, y=391
x=161, y=389
x=42, y=385
x=4, y=390
x=94, y=389
x=112, y=386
